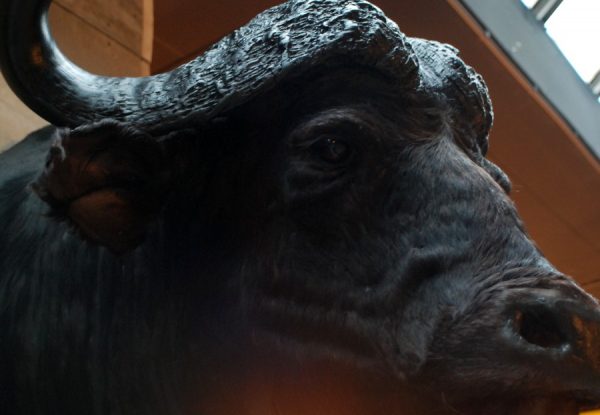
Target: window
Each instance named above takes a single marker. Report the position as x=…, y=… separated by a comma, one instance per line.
x=574, y=25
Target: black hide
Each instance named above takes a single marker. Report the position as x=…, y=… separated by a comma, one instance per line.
x=327, y=238
x=322, y=230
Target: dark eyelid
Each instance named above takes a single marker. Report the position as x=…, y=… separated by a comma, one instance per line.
x=341, y=128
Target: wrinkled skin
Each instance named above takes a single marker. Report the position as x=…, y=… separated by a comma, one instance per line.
x=324, y=250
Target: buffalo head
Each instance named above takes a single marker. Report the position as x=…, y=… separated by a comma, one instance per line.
x=303, y=221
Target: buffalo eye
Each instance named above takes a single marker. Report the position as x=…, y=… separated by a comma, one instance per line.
x=331, y=150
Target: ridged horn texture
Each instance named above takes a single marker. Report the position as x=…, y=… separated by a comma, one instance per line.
x=285, y=40
x=288, y=38
x=468, y=102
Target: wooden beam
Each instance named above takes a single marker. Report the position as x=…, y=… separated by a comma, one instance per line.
x=92, y=49
x=16, y=120
x=128, y=22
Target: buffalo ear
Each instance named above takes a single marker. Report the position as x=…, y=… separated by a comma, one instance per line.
x=112, y=218
x=108, y=180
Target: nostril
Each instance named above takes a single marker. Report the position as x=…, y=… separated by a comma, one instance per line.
x=542, y=327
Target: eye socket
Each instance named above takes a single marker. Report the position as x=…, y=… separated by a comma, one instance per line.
x=331, y=149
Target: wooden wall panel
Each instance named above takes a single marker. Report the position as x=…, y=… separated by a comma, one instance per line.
x=184, y=28
x=92, y=49
x=108, y=37
x=128, y=22
x=16, y=120
x=593, y=288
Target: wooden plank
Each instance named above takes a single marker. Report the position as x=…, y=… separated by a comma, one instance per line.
x=164, y=57
x=551, y=231
x=129, y=22
x=185, y=26
x=16, y=120
x=588, y=269
x=92, y=49
x=593, y=288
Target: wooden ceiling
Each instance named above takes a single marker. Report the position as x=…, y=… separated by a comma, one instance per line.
x=556, y=180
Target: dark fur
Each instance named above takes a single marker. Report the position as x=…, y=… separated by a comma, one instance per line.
x=396, y=264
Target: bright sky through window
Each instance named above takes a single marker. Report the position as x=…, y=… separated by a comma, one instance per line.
x=575, y=27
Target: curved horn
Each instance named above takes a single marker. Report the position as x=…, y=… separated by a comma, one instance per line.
x=467, y=97
x=469, y=104
x=292, y=37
